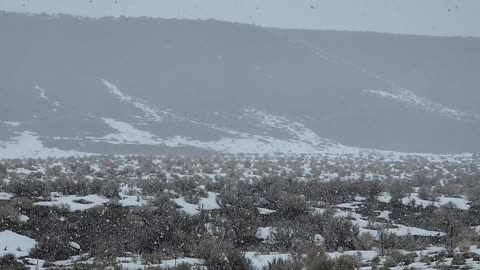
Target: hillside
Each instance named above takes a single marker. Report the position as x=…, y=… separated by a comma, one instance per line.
x=148, y=86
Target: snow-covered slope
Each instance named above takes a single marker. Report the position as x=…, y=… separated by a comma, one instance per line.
x=154, y=86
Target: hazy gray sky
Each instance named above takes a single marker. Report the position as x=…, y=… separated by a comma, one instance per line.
x=427, y=17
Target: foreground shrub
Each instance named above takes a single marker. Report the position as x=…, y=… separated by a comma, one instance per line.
x=8, y=262
x=346, y=262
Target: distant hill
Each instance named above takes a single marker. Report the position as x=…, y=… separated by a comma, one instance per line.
x=143, y=85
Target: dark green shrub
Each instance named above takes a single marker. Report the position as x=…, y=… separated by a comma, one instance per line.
x=8, y=262
x=279, y=264
x=346, y=262
x=458, y=260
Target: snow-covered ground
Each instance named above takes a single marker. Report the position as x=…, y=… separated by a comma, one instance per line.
x=265, y=233
x=43, y=94
x=132, y=171
x=209, y=203
x=364, y=255
x=128, y=263
x=409, y=98
x=28, y=145
x=11, y=124
x=308, y=142
x=397, y=229
x=302, y=140
x=260, y=260
x=4, y=196
x=126, y=134
x=16, y=244
x=74, y=203
x=151, y=113
x=265, y=211
x=460, y=203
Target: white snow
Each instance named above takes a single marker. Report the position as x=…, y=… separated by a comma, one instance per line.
x=128, y=201
x=12, y=124
x=126, y=134
x=475, y=249
x=409, y=98
x=405, y=230
x=28, y=145
x=16, y=244
x=364, y=255
x=246, y=143
x=350, y=205
x=4, y=196
x=304, y=141
x=150, y=112
x=75, y=245
x=318, y=239
x=130, y=263
x=385, y=215
x=384, y=197
x=190, y=261
x=43, y=95
x=359, y=198
x=23, y=218
x=399, y=229
x=135, y=199
x=43, y=92
x=265, y=233
x=260, y=261
x=209, y=203
x=460, y=203
x=265, y=211
x=191, y=209
x=297, y=129
x=23, y=171
x=70, y=201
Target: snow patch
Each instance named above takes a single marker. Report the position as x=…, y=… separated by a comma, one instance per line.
x=126, y=134
x=75, y=245
x=43, y=95
x=298, y=130
x=414, y=198
x=149, y=112
x=409, y=98
x=43, y=92
x=11, y=124
x=4, y=196
x=176, y=262
x=245, y=143
x=402, y=230
x=363, y=255
x=265, y=211
x=265, y=233
x=16, y=244
x=260, y=261
x=191, y=209
x=209, y=203
x=385, y=215
x=28, y=145
x=75, y=203
x=384, y=197
x=23, y=218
